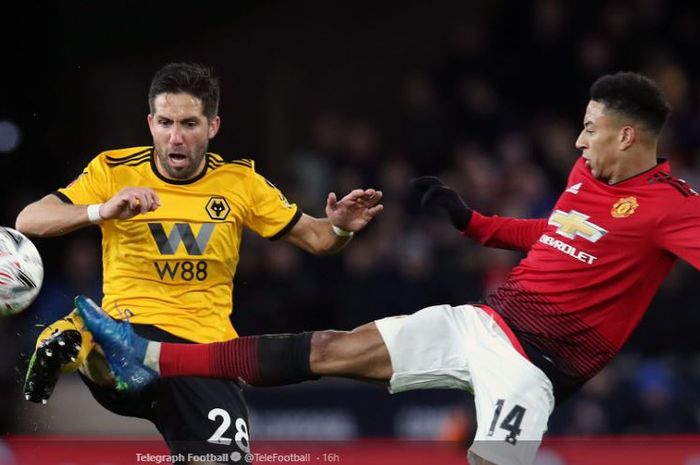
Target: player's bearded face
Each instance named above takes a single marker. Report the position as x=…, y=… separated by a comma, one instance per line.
x=181, y=135
x=179, y=164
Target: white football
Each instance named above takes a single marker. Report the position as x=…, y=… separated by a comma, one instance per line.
x=21, y=271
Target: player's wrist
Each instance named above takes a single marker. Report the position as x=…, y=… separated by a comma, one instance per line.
x=93, y=213
x=461, y=216
x=340, y=232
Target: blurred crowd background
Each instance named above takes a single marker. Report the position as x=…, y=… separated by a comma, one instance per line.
x=488, y=95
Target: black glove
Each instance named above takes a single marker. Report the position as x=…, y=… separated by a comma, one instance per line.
x=434, y=193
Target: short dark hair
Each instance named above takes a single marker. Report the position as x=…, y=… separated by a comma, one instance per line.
x=634, y=96
x=190, y=78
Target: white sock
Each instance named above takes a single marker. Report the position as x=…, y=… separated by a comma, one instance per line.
x=152, y=358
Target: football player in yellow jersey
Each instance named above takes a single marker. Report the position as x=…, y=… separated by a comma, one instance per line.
x=171, y=217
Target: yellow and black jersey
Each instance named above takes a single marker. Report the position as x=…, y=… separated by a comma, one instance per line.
x=174, y=267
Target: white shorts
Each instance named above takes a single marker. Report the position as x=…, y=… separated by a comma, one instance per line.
x=464, y=348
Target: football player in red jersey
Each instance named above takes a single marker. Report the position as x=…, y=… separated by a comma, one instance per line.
x=565, y=310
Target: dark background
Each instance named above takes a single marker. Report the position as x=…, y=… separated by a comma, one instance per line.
x=326, y=97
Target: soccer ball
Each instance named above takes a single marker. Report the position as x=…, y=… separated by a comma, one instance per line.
x=21, y=271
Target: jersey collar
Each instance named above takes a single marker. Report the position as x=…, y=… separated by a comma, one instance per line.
x=645, y=177
x=640, y=179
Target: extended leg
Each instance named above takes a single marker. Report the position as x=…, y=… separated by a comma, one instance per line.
x=267, y=360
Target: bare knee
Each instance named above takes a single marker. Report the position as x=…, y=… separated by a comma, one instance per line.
x=359, y=354
x=326, y=348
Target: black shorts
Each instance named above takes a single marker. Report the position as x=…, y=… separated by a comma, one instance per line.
x=202, y=417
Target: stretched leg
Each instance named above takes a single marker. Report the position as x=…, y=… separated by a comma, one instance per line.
x=437, y=347
x=268, y=360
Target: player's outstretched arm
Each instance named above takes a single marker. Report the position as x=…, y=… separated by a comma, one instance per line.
x=50, y=216
x=491, y=231
x=434, y=194
x=344, y=218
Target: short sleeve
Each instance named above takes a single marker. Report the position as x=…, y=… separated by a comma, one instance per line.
x=270, y=214
x=93, y=185
x=679, y=230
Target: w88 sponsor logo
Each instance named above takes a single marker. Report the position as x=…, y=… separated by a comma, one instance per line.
x=186, y=270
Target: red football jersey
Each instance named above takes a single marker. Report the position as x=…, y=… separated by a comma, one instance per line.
x=593, y=266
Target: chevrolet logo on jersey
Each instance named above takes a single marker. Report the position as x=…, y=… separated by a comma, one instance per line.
x=574, y=224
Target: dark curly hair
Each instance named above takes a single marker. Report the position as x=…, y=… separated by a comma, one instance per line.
x=634, y=96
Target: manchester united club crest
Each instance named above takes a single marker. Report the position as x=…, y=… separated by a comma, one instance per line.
x=624, y=207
